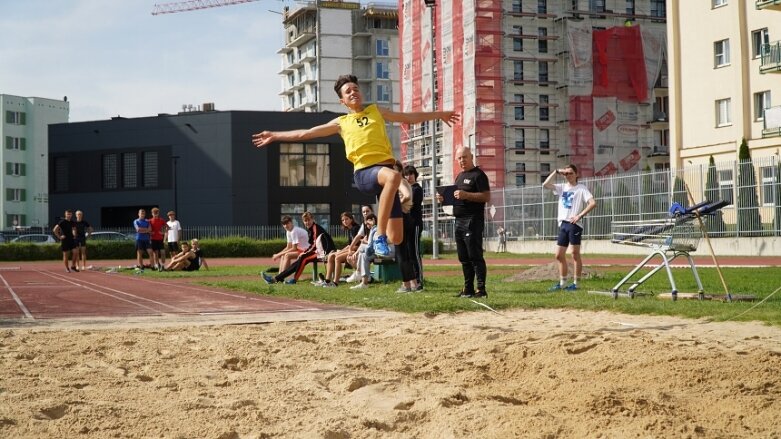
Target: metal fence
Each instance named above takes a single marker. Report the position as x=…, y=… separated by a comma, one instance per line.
x=753, y=189
x=252, y=232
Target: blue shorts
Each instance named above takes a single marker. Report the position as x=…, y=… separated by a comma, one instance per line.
x=569, y=234
x=142, y=245
x=366, y=180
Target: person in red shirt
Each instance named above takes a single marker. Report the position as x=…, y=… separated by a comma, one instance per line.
x=157, y=227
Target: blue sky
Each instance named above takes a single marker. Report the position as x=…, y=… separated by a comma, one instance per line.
x=112, y=57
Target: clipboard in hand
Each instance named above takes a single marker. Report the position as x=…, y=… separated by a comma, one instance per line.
x=448, y=195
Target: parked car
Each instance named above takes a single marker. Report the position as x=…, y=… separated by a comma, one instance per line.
x=109, y=236
x=35, y=238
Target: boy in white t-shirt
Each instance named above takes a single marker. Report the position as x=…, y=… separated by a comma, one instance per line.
x=173, y=233
x=575, y=201
x=297, y=243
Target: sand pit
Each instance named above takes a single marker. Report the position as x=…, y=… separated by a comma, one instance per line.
x=540, y=374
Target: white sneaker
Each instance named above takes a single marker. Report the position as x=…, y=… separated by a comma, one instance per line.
x=360, y=286
x=352, y=278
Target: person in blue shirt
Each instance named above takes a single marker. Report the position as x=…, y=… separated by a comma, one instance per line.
x=143, y=238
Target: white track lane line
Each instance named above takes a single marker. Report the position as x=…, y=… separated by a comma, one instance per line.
x=222, y=293
x=18, y=301
x=87, y=286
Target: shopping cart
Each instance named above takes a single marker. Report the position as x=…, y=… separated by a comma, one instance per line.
x=667, y=238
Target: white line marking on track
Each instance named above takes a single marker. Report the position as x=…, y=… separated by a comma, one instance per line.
x=18, y=301
x=85, y=285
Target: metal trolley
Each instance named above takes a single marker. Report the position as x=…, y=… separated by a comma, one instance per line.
x=667, y=238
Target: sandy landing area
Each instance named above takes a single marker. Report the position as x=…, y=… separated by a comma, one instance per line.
x=539, y=374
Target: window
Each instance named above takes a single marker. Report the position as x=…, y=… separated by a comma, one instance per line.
x=383, y=70
x=518, y=70
x=382, y=48
x=760, y=40
x=15, y=169
x=15, y=117
x=544, y=142
x=630, y=7
x=520, y=174
x=544, y=171
x=723, y=116
x=542, y=6
x=596, y=5
x=517, y=40
x=542, y=72
x=383, y=93
x=129, y=170
x=516, y=7
x=520, y=141
x=519, y=113
x=16, y=220
x=726, y=185
x=761, y=103
x=320, y=211
x=658, y=8
x=721, y=53
x=15, y=194
x=544, y=110
x=150, y=169
x=767, y=188
x=718, y=3
x=61, y=174
x=17, y=143
x=110, y=171
x=660, y=108
x=304, y=164
x=542, y=43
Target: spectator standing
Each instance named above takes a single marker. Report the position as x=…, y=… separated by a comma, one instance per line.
x=83, y=231
x=471, y=194
x=173, y=233
x=156, y=233
x=143, y=239
x=405, y=251
x=416, y=215
x=502, y=237
x=65, y=231
x=575, y=201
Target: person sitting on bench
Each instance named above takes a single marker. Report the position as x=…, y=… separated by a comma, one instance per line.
x=368, y=256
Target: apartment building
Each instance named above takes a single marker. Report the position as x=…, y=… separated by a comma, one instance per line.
x=540, y=84
x=725, y=73
x=24, y=130
x=326, y=39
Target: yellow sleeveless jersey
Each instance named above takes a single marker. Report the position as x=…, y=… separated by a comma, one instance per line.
x=365, y=140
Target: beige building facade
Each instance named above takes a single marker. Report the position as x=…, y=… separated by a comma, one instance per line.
x=724, y=79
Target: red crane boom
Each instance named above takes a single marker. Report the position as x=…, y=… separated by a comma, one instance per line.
x=192, y=5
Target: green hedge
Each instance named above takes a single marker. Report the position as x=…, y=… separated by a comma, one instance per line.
x=236, y=247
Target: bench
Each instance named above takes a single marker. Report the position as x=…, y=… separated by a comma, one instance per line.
x=385, y=270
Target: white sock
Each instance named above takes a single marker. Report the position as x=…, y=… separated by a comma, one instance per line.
x=562, y=281
x=575, y=280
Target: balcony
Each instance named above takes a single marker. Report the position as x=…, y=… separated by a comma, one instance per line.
x=772, y=122
x=774, y=5
x=770, y=61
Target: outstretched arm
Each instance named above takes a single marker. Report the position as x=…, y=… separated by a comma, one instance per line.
x=449, y=117
x=265, y=137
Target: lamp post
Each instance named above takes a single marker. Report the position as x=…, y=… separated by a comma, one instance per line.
x=175, y=158
x=434, y=204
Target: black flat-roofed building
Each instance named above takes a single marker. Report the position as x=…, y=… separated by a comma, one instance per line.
x=202, y=165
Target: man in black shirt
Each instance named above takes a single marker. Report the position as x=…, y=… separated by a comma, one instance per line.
x=416, y=215
x=65, y=232
x=472, y=192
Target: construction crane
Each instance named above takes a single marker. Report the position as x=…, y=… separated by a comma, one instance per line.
x=193, y=5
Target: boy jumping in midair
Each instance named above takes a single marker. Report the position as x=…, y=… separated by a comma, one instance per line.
x=368, y=148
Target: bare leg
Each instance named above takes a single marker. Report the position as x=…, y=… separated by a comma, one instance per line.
x=330, y=263
x=340, y=259
x=561, y=257
x=390, y=181
x=140, y=258
x=577, y=261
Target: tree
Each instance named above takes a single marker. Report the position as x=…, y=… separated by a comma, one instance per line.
x=715, y=223
x=749, y=220
x=680, y=194
x=652, y=200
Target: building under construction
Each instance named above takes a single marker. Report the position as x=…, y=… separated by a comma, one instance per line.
x=539, y=85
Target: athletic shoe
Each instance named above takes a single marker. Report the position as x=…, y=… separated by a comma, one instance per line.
x=481, y=293
x=67, y=270
x=269, y=280
x=404, y=290
x=419, y=287
x=556, y=287
x=321, y=276
x=290, y=282
x=352, y=278
x=468, y=294
x=75, y=269
x=360, y=286
x=381, y=246
x=329, y=285
x=318, y=283
x=571, y=287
